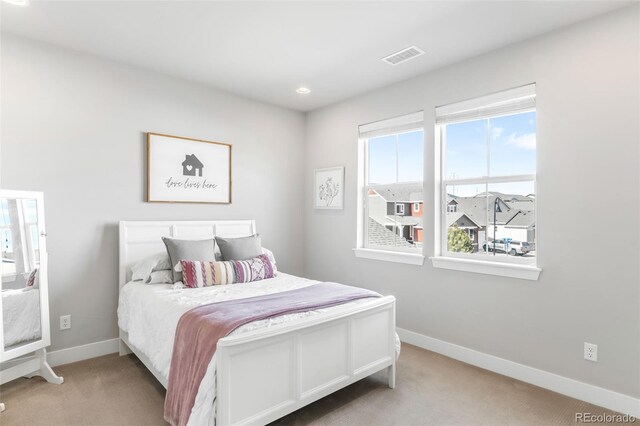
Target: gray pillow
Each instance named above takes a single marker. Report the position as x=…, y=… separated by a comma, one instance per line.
x=240, y=248
x=202, y=250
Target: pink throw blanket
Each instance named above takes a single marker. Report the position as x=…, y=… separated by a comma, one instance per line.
x=199, y=330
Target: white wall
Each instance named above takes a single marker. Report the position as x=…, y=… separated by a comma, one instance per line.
x=587, y=80
x=74, y=127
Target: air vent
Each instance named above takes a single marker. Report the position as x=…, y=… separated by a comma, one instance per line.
x=403, y=56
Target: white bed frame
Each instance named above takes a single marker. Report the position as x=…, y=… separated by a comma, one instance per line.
x=266, y=374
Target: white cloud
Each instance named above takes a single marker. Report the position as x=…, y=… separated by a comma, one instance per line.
x=496, y=132
x=526, y=141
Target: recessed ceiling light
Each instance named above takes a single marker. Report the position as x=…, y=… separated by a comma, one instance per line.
x=18, y=2
x=303, y=90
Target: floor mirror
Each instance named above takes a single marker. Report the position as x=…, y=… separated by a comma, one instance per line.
x=24, y=323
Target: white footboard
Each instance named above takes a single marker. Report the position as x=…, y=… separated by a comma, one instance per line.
x=263, y=376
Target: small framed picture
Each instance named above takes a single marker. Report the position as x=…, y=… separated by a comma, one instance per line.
x=329, y=188
x=185, y=170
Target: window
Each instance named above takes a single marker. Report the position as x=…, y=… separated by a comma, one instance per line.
x=488, y=177
x=416, y=207
x=24, y=213
x=391, y=174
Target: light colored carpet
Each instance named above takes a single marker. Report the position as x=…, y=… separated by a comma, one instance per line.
x=431, y=390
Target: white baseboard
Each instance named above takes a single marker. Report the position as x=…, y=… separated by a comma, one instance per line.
x=592, y=394
x=73, y=354
x=82, y=352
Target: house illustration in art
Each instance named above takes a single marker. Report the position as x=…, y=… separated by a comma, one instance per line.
x=191, y=165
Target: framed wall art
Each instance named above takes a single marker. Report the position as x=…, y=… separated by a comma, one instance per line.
x=329, y=188
x=185, y=170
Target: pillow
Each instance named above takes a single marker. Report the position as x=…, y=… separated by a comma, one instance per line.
x=239, y=248
x=32, y=278
x=198, y=274
x=272, y=259
x=188, y=249
x=160, y=277
x=143, y=269
x=269, y=253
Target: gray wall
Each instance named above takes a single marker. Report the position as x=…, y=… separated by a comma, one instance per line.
x=73, y=127
x=588, y=207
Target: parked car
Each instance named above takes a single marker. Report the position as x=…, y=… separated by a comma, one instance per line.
x=512, y=247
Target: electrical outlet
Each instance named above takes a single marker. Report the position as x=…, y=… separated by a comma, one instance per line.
x=590, y=352
x=65, y=322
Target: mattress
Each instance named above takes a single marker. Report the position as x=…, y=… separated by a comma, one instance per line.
x=149, y=313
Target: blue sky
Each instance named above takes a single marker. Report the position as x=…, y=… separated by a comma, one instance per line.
x=406, y=150
x=512, y=148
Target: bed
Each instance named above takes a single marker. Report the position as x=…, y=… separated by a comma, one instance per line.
x=265, y=369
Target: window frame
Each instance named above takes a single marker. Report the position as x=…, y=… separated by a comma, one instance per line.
x=28, y=248
x=484, y=180
x=506, y=265
x=412, y=255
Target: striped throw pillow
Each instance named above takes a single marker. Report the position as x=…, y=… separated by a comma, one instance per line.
x=196, y=274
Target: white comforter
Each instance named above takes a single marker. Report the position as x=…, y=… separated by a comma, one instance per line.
x=149, y=313
x=21, y=315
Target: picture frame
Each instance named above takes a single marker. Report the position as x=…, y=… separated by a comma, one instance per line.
x=187, y=170
x=329, y=188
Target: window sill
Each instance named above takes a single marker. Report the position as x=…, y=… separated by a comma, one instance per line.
x=389, y=256
x=524, y=272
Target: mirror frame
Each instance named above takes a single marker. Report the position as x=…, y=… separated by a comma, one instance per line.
x=43, y=282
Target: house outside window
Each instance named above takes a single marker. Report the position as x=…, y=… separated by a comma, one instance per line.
x=488, y=178
x=391, y=174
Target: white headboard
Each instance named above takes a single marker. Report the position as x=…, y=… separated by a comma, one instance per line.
x=139, y=239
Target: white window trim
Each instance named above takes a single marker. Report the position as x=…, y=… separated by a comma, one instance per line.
x=389, y=256
x=400, y=210
x=416, y=207
x=507, y=267
x=403, y=124
x=525, y=272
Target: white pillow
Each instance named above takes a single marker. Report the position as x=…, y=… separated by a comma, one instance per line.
x=142, y=270
x=160, y=277
x=271, y=257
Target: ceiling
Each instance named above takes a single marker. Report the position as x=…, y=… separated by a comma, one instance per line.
x=264, y=50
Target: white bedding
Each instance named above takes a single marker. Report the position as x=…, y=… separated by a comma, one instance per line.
x=150, y=314
x=21, y=315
